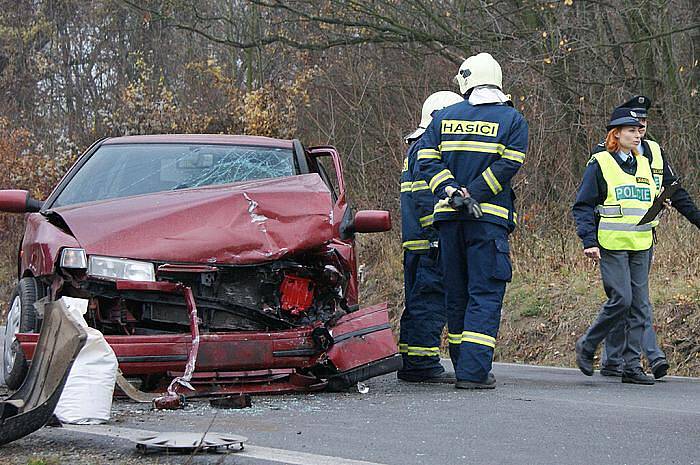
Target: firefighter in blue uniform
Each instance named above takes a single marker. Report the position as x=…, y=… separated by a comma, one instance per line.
x=664, y=176
x=468, y=155
x=424, y=312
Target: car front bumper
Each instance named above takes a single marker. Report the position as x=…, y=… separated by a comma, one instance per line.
x=361, y=345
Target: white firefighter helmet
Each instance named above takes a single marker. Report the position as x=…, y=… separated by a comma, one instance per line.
x=433, y=103
x=479, y=70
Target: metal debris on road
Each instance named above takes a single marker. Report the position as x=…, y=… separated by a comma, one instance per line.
x=237, y=402
x=190, y=442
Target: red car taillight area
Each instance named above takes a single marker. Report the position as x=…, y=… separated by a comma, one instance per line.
x=296, y=294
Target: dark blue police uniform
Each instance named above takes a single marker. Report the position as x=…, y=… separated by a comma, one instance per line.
x=611, y=356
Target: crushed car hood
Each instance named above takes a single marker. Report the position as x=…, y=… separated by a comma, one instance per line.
x=243, y=223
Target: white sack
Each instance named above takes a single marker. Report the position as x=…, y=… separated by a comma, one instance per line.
x=87, y=395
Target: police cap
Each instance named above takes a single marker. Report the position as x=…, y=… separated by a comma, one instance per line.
x=639, y=106
x=622, y=116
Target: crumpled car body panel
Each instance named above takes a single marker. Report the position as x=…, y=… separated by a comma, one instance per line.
x=237, y=224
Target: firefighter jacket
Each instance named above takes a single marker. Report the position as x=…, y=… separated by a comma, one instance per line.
x=663, y=176
x=417, y=232
x=480, y=147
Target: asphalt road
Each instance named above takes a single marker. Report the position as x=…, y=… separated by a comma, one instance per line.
x=536, y=415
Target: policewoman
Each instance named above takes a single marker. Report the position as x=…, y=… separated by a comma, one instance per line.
x=424, y=315
x=664, y=176
x=617, y=190
x=468, y=156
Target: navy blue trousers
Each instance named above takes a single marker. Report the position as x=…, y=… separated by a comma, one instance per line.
x=625, y=275
x=611, y=355
x=476, y=265
x=423, y=316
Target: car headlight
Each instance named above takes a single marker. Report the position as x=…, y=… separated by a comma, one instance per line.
x=120, y=268
x=73, y=258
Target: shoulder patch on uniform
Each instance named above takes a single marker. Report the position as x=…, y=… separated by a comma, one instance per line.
x=591, y=160
x=598, y=148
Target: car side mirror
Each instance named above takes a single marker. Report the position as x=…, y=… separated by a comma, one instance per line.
x=18, y=201
x=368, y=221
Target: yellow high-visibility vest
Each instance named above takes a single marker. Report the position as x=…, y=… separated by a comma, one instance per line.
x=628, y=199
x=657, y=164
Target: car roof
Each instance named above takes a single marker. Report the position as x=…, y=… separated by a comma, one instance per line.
x=201, y=139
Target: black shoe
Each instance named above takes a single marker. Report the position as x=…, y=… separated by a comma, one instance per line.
x=610, y=371
x=659, y=368
x=446, y=377
x=488, y=383
x=583, y=360
x=637, y=377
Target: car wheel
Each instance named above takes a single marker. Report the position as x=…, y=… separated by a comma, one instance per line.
x=21, y=318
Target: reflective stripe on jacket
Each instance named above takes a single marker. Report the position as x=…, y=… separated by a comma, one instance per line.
x=664, y=176
x=657, y=163
x=416, y=207
x=628, y=199
x=480, y=147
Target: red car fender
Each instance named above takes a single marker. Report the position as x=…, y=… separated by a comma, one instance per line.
x=42, y=245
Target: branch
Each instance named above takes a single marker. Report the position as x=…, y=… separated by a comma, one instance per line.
x=387, y=30
x=648, y=38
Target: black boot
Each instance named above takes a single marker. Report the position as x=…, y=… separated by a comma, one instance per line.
x=446, y=377
x=659, y=368
x=637, y=376
x=611, y=371
x=488, y=383
x=584, y=360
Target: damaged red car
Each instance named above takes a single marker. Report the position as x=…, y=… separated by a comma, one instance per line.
x=232, y=253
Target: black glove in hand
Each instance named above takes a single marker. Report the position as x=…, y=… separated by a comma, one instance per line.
x=458, y=202
x=473, y=207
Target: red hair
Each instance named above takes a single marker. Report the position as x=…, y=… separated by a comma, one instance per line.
x=612, y=143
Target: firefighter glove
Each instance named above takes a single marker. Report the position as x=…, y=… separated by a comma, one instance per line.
x=472, y=207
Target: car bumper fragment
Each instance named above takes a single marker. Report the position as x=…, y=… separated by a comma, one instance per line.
x=255, y=361
x=58, y=345
x=172, y=399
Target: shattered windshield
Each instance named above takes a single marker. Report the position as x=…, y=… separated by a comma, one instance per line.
x=124, y=170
